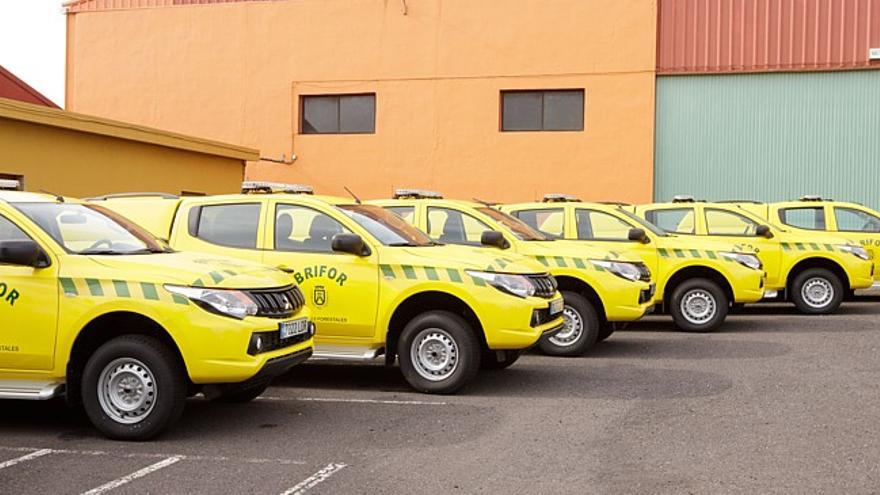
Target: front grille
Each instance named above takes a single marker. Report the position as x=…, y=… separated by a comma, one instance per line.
x=646, y=294
x=542, y=316
x=278, y=303
x=644, y=272
x=270, y=341
x=545, y=285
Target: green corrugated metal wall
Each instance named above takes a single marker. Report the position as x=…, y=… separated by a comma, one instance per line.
x=769, y=136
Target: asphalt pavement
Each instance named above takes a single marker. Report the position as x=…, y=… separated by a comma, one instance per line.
x=775, y=402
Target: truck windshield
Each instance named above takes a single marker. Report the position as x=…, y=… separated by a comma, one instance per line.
x=519, y=228
x=386, y=227
x=644, y=223
x=89, y=229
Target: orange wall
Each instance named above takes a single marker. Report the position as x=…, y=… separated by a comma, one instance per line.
x=233, y=72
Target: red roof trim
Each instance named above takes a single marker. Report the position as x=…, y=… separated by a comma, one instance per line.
x=36, y=96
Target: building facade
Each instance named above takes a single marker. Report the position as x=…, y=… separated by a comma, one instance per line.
x=627, y=100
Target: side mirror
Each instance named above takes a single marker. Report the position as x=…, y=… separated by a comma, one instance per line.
x=349, y=243
x=764, y=231
x=23, y=253
x=638, y=235
x=494, y=238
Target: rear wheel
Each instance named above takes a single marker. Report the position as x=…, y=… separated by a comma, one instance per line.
x=439, y=352
x=605, y=332
x=817, y=291
x=498, y=360
x=133, y=387
x=580, y=331
x=698, y=305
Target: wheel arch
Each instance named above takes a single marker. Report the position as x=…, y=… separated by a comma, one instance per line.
x=816, y=262
x=104, y=328
x=696, y=271
x=421, y=302
x=574, y=284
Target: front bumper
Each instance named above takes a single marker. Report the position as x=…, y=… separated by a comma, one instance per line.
x=518, y=325
x=748, y=288
x=630, y=303
x=274, y=367
x=863, y=278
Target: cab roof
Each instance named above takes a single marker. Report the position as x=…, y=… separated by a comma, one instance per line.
x=31, y=197
x=540, y=205
x=464, y=203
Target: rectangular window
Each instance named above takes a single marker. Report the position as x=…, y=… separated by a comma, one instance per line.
x=676, y=220
x=546, y=110
x=811, y=218
x=550, y=221
x=11, y=182
x=233, y=225
x=338, y=114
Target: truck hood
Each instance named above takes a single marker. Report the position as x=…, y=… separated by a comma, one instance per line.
x=466, y=257
x=194, y=269
x=704, y=243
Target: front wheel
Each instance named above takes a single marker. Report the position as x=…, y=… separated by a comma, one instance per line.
x=580, y=331
x=698, y=305
x=499, y=360
x=817, y=291
x=439, y=352
x=133, y=387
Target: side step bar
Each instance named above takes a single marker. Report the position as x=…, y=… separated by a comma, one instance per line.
x=346, y=353
x=29, y=390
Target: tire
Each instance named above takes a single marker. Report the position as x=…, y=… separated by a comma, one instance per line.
x=233, y=394
x=134, y=361
x=581, y=331
x=698, y=305
x=605, y=331
x=499, y=360
x=456, y=352
x=817, y=291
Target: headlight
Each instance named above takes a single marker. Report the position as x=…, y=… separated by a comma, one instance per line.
x=855, y=251
x=234, y=303
x=629, y=271
x=516, y=285
x=744, y=259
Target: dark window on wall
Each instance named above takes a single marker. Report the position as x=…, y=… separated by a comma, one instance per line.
x=545, y=110
x=338, y=114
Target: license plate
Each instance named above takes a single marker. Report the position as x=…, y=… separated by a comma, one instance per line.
x=556, y=306
x=293, y=328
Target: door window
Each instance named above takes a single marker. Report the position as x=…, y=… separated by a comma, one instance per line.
x=812, y=218
x=454, y=227
x=721, y=222
x=852, y=220
x=550, y=221
x=674, y=220
x=298, y=228
x=405, y=212
x=596, y=225
x=10, y=232
x=229, y=225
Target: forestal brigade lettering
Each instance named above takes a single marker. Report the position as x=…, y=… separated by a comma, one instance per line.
x=321, y=271
x=8, y=294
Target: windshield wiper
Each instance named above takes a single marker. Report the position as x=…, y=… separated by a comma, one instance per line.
x=101, y=251
x=402, y=244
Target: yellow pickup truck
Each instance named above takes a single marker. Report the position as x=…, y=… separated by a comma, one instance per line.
x=376, y=286
x=97, y=309
x=815, y=271
x=848, y=222
x=697, y=279
x=601, y=288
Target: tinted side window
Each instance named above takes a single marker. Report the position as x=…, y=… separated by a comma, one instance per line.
x=550, y=221
x=10, y=232
x=720, y=222
x=812, y=218
x=596, y=225
x=338, y=114
x=454, y=227
x=405, y=212
x=852, y=220
x=677, y=220
x=230, y=225
x=547, y=110
x=298, y=228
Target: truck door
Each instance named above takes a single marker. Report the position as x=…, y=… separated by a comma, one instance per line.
x=341, y=289
x=28, y=310
x=741, y=229
x=611, y=232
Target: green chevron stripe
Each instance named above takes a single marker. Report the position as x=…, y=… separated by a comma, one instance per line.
x=679, y=253
x=695, y=253
x=454, y=276
x=431, y=273
x=786, y=246
x=95, y=288
x=815, y=246
x=68, y=286
x=178, y=299
x=800, y=246
x=198, y=283
x=711, y=255
x=217, y=277
x=478, y=281
x=387, y=271
x=121, y=288
x=579, y=263
x=149, y=291
x=664, y=252
x=829, y=247
x=542, y=260
x=408, y=271
x=560, y=262
x=230, y=273
x=501, y=263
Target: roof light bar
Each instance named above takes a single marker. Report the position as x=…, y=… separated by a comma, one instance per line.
x=256, y=186
x=811, y=197
x=683, y=198
x=416, y=194
x=10, y=185
x=560, y=198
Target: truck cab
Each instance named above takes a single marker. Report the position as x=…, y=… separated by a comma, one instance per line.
x=697, y=279
x=377, y=286
x=96, y=309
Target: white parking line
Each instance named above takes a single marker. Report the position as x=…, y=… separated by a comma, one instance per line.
x=357, y=401
x=25, y=458
x=319, y=477
x=133, y=476
x=138, y=455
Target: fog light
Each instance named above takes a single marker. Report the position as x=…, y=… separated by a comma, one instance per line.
x=259, y=344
